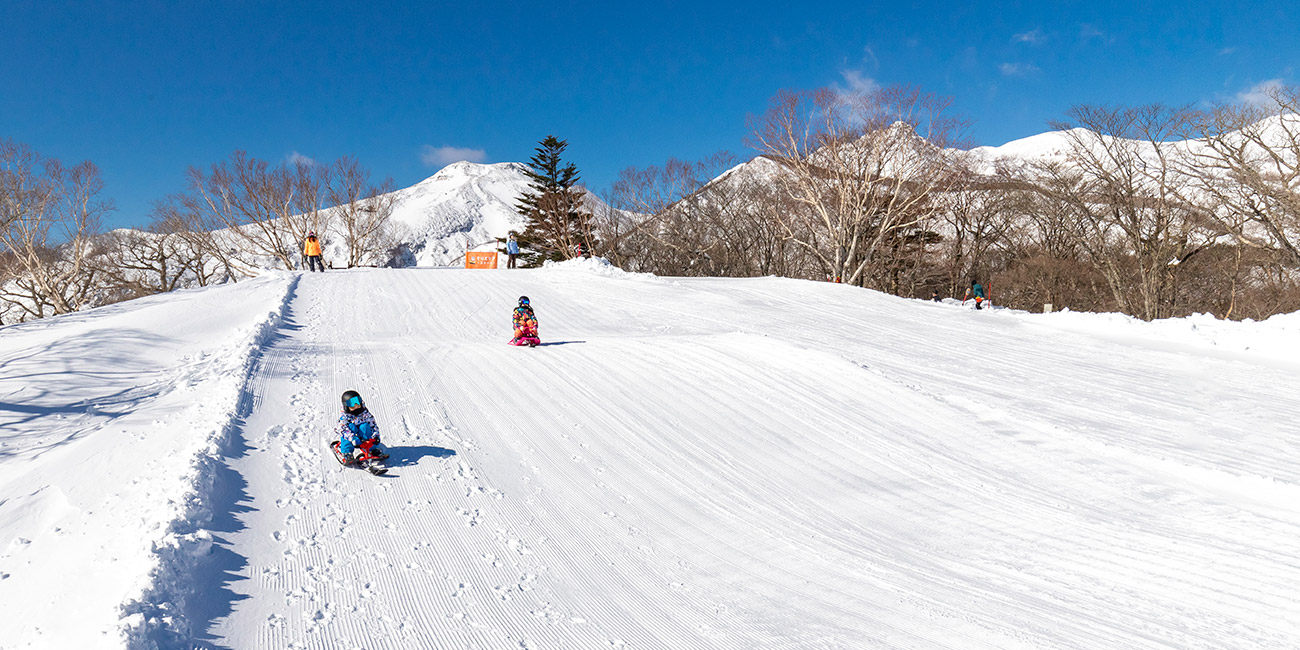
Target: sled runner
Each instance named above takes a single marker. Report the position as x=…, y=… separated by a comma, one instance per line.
x=369, y=461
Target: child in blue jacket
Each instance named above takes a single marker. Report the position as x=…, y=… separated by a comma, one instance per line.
x=357, y=425
x=512, y=251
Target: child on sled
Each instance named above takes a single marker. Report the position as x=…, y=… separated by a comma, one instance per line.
x=525, y=322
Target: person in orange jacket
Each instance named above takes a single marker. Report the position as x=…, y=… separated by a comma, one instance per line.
x=311, y=251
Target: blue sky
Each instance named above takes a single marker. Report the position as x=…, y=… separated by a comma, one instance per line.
x=147, y=88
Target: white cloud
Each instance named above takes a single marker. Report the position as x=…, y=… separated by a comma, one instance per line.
x=1088, y=33
x=1227, y=50
x=294, y=158
x=869, y=55
x=1033, y=37
x=441, y=156
x=1017, y=69
x=1261, y=94
x=856, y=83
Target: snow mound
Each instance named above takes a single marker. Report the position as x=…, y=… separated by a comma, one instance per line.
x=1276, y=338
x=597, y=266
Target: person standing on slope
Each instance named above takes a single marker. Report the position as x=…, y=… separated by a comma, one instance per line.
x=525, y=322
x=977, y=291
x=512, y=249
x=357, y=429
x=311, y=250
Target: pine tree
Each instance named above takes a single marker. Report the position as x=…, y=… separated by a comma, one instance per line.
x=553, y=204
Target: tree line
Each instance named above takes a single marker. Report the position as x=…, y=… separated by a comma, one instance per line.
x=1153, y=211
x=234, y=218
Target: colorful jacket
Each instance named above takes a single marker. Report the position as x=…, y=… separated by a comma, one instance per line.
x=355, y=429
x=525, y=321
x=512, y=247
x=978, y=290
x=311, y=247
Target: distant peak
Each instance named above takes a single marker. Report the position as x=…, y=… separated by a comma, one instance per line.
x=462, y=167
x=466, y=168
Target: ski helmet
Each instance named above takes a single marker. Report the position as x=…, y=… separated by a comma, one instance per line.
x=352, y=400
x=523, y=300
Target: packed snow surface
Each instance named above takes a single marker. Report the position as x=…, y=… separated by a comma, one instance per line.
x=685, y=463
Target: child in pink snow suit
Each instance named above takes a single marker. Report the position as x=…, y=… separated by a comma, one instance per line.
x=525, y=323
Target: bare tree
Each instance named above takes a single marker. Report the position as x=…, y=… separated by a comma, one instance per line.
x=672, y=228
x=975, y=218
x=1043, y=261
x=171, y=254
x=1129, y=209
x=253, y=202
x=705, y=218
x=362, y=211
x=614, y=231
x=138, y=263
x=311, y=194
x=866, y=166
x=50, y=215
x=1251, y=165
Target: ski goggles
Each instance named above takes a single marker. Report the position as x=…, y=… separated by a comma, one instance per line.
x=353, y=402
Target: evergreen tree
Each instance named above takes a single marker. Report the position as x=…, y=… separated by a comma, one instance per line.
x=553, y=204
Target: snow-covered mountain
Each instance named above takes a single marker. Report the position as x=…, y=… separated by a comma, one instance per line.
x=686, y=463
x=1280, y=133
x=465, y=206
x=468, y=206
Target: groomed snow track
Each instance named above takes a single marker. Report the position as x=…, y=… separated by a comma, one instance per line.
x=738, y=464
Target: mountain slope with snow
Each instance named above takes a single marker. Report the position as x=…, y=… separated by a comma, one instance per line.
x=704, y=463
x=465, y=206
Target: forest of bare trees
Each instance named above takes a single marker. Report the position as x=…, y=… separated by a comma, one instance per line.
x=237, y=217
x=1153, y=211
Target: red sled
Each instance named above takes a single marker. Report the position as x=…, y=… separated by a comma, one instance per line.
x=369, y=460
x=530, y=341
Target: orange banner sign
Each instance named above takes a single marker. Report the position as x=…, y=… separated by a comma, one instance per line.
x=475, y=260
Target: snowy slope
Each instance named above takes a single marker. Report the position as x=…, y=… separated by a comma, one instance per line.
x=111, y=421
x=704, y=463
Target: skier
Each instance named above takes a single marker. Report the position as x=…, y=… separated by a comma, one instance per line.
x=512, y=251
x=311, y=251
x=356, y=427
x=525, y=322
x=978, y=292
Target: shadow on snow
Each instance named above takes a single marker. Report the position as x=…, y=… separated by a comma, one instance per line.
x=408, y=456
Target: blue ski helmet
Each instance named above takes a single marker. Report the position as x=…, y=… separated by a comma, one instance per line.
x=352, y=400
x=523, y=300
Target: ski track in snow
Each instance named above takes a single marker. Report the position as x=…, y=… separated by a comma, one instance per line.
x=685, y=463
x=749, y=464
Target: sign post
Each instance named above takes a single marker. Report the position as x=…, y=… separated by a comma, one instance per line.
x=477, y=260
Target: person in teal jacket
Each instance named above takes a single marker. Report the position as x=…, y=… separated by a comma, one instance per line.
x=977, y=291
